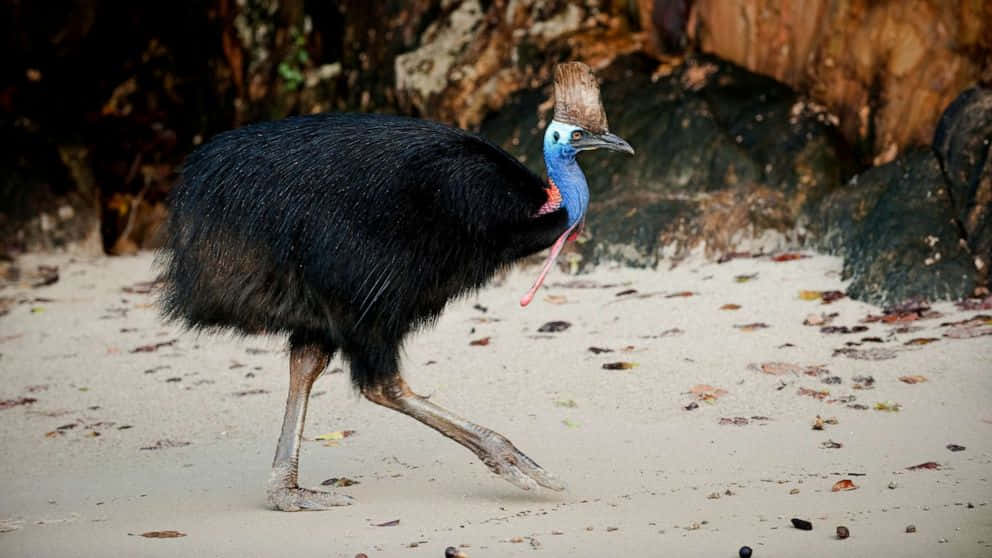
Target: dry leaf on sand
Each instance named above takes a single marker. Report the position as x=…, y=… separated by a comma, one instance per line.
x=843, y=485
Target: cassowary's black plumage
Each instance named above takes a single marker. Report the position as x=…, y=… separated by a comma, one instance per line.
x=345, y=230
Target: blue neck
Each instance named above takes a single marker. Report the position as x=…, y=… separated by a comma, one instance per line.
x=559, y=158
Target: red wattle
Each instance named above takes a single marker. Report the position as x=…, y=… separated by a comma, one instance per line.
x=555, y=250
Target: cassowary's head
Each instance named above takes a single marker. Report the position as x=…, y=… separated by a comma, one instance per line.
x=579, y=124
x=566, y=140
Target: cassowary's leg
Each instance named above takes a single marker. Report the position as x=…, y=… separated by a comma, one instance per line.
x=498, y=453
x=306, y=362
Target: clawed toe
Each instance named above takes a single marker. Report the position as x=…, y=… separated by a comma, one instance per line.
x=304, y=499
x=547, y=480
x=516, y=468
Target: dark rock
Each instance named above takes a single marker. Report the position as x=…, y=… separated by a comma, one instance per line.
x=907, y=245
x=963, y=144
x=802, y=524
x=839, y=218
x=727, y=160
x=745, y=552
x=962, y=141
x=919, y=227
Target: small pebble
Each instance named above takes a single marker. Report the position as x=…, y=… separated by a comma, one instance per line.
x=911, y=528
x=802, y=524
x=843, y=532
x=744, y=552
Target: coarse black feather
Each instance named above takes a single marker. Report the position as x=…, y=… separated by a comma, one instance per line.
x=347, y=230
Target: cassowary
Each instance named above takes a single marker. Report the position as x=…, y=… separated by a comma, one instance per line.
x=348, y=231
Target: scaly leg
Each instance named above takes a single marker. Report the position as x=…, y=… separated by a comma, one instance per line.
x=305, y=365
x=498, y=453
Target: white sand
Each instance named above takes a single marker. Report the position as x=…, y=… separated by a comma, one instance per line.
x=639, y=467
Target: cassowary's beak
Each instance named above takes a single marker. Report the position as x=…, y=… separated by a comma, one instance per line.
x=602, y=141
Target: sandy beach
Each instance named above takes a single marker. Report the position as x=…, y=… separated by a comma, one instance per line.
x=691, y=434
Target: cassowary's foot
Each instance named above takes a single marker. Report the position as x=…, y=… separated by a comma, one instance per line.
x=498, y=453
x=284, y=495
x=303, y=499
x=504, y=459
x=306, y=362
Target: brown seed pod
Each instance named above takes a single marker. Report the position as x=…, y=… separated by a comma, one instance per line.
x=843, y=532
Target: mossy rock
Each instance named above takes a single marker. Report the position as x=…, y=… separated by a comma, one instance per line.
x=907, y=245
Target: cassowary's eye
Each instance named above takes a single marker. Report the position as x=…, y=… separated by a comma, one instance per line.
x=556, y=136
x=576, y=135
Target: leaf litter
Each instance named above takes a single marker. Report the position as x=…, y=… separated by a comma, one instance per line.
x=843, y=329
x=788, y=257
x=843, y=486
x=819, y=423
x=554, y=326
x=921, y=341
x=166, y=444
x=707, y=393
x=874, y=353
x=680, y=294
x=976, y=326
x=977, y=303
x=339, y=482
x=244, y=392
x=909, y=311
x=751, y=326
x=863, y=382
x=783, y=368
x=622, y=365
x=151, y=348
x=929, y=465
x=821, y=319
x=820, y=394
x=162, y=534
x=888, y=406
x=331, y=439
x=11, y=403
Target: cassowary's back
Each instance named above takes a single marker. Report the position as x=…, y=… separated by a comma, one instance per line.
x=335, y=225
